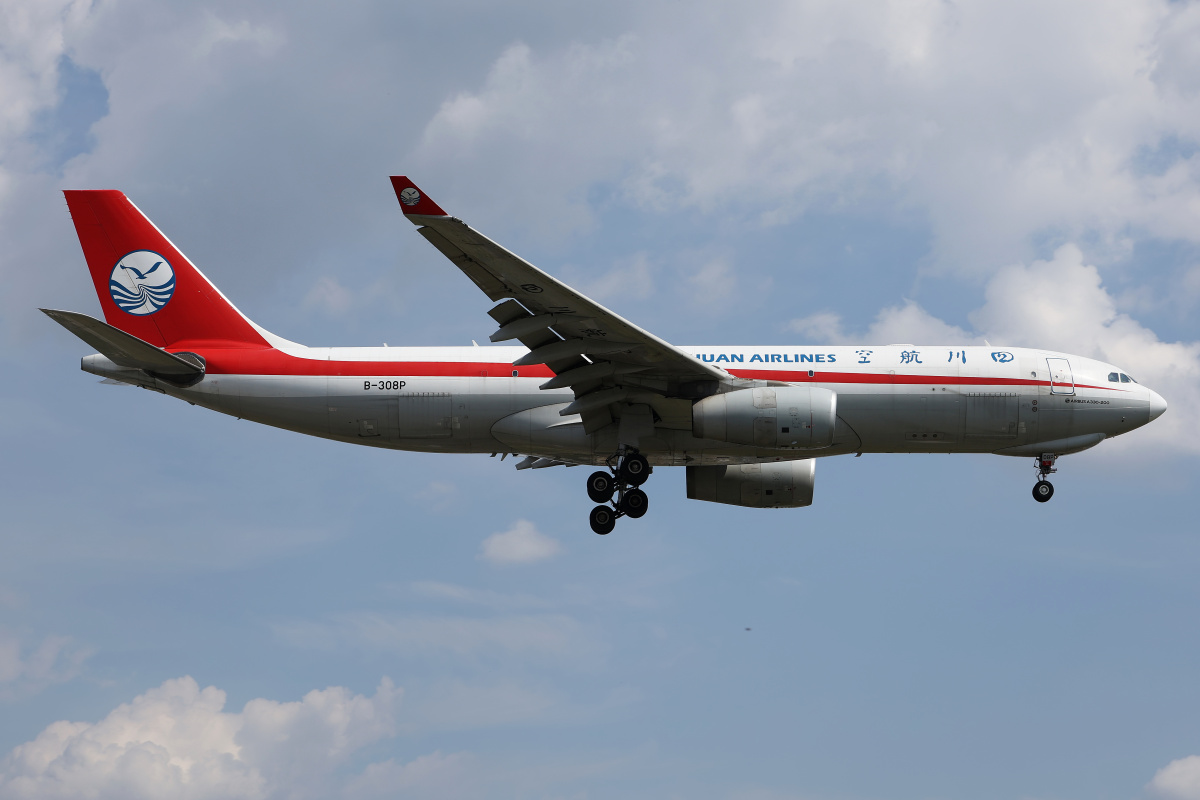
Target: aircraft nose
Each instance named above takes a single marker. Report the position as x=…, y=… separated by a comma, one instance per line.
x=1157, y=405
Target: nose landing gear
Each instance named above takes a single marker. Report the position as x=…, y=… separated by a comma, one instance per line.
x=1043, y=490
x=630, y=471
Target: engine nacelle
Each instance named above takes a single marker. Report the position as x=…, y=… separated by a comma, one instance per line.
x=777, y=484
x=790, y=417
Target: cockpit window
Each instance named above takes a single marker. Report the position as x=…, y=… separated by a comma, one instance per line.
x=1125, y=378
x=1131, y=378
x=1112, y=376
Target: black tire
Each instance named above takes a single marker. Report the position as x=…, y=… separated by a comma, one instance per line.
x=600, y=487
x=603, y=520
x=1043, y=491
x=635, y=469
x=634, y=503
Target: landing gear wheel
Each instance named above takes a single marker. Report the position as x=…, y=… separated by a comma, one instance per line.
x=1043, y=491
x=634, y=503
x=603, y=520
x=600, y=487
x=635, y=469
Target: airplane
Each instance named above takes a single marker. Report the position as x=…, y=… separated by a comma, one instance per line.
x=584, y=386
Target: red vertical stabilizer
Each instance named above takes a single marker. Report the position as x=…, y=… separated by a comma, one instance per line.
x=146, y=287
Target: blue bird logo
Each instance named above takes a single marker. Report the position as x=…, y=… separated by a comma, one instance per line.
x=141, y=282
x=142, y=275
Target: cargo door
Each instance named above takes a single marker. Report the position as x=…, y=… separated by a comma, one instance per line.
x=992, y=415
x=426, y=415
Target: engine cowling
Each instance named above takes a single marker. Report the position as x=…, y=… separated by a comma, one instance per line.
x=778, y=484
x=790, y=417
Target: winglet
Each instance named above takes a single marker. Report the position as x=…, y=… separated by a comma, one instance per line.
x=413, y=201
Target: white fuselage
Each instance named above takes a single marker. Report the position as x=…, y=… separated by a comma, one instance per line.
x=894, y=398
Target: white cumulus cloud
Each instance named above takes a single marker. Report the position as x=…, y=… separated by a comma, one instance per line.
x=523, y=543
x=1179, y=780
x=997, y=121
x=33, y=38
x=178, y=741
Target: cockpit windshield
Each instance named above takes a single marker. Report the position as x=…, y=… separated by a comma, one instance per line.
x=1120, y=377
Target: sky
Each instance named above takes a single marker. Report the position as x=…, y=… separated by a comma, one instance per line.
x=198, y=607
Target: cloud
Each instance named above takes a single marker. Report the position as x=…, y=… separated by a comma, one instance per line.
x=27, y=670
x=435, y=775
x=998, y=124
x=629, y=279
x=455, y=705
x=439, y=496
x=712, y=283
x=329, y=297
x=520, y=544
x=999, y=121
x=437, y=590
x=266, y=92
x=529, y=635
x=1179, y=780
x=903, y=324
x=538, y=117
x=825, y=327
x=33, y=39
x=217, y=32
x=178, y=741
x=912, y=324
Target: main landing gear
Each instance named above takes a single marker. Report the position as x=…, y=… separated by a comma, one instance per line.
x=622, y=481
x=1043, y=490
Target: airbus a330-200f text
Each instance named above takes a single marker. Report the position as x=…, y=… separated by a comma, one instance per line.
x=584, y=386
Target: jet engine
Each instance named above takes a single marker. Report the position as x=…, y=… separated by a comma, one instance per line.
x=799, y=417
x=777, y=484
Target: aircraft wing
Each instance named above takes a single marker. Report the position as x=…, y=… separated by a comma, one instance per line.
x=602, y=357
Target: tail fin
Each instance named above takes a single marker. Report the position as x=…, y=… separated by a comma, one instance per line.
x=146, y=287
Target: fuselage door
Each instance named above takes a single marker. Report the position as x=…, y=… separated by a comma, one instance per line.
x=1061, y=379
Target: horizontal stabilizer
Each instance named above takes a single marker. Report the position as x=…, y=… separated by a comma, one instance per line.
x=124, y=349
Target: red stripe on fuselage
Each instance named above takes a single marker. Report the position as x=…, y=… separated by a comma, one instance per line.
x=267, y=361
x=276, y=362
